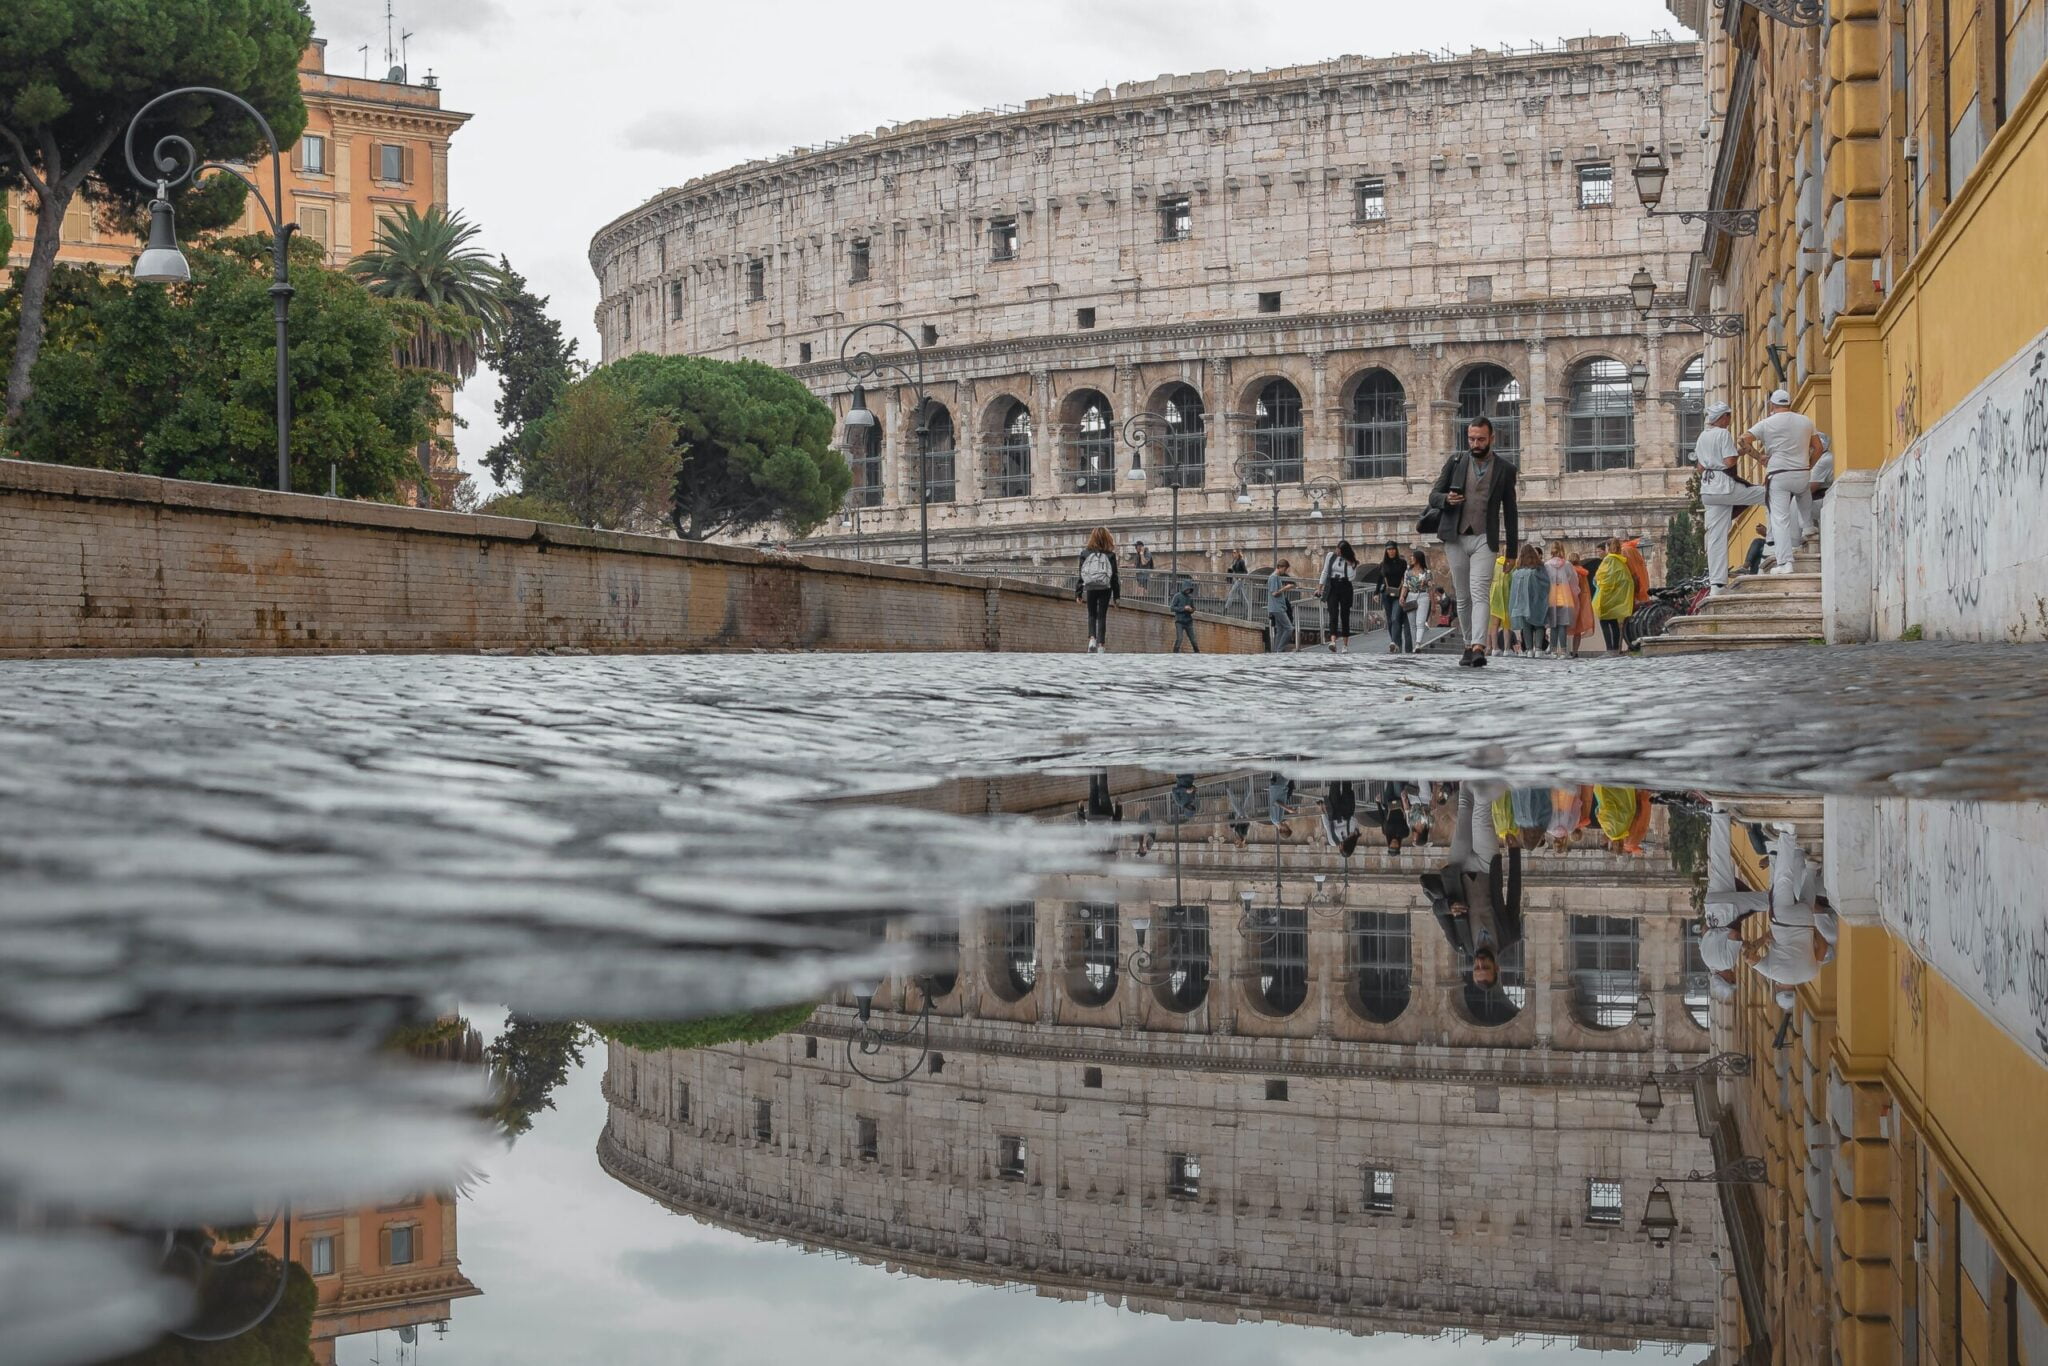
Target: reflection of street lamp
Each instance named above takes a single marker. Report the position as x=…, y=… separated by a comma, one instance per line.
x=868, y=1039
x=860, y=423
x=162, y=263
x=1650, y=1099
x=1660, y=1214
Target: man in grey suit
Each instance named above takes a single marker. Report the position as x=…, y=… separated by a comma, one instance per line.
x=1475, y=497
x=1477, y=896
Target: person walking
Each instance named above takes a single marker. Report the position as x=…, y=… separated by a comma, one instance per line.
x=1561, y=600
x=1141, y=562
x=1098, y=586
x=1584, y=623
x=1529, y=602
x=1614, y=597
x=1393, y=576
x=1183, y=605
x=1790, y=446
x=1240, y=580
x=1474, y=497
x=1722, y=490
x=1280, y=588
x=1338, y=589
x=1414, y=601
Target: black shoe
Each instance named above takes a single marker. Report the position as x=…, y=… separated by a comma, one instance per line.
x=1479, y=660
x=1465, y=661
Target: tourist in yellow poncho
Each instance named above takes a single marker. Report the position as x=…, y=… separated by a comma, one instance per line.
x=1497, y=604
x=1614, y=596
x=1624, y=815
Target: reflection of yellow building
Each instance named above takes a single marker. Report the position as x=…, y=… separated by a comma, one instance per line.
x=1898, y=155
x=1906, y=1219
x=370, y=148
x=387, y=1266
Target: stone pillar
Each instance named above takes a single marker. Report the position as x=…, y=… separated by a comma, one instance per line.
x=1321, y=434
x=1044, y=451
x=1542, y=413
x=970, y=480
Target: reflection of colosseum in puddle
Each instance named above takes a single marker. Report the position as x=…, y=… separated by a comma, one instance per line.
x=1310, y=1125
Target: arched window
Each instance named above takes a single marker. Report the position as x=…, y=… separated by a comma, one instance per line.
x=1092, y=957
x=1376, y=437
x=938, y=462
x=1185, y=440
x=1380, y=971
x=1010, y=453
x=1490, y=392
x=1013, y=950
x=1183, y=956
x=1605, y=985
x=1279, y=942
x=1692, y=406
x=864, y=458
x=1091, y=451
x=1276, y=434
x=1600, y=422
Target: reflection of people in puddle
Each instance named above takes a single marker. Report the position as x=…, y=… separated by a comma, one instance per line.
x=1280, y=804
x=1101, y=806
x=1394, y=826
x=1623, y=814
x=1240, y=796
x=1340, y=818
x=1802, y=929
x=1477, y=896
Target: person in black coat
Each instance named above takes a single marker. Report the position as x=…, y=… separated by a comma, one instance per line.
x=1477, y=896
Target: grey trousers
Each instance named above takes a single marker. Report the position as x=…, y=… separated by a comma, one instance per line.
x=1471, y=583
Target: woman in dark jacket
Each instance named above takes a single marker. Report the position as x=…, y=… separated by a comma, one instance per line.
x=1098, y=586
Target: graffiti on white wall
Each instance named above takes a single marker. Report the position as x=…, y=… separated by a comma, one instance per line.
x=1965, y=885
x=1959, y=546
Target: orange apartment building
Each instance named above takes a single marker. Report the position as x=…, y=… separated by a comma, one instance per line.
x=386, y=1267
x=370, y=148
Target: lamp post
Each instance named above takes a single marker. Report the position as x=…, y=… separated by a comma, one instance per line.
x=1319, y=488
x=1660, y=1213
x=1650, y=174
x=869, y=1039
x=162, y=262
x=1650, y=1099
x=860, y=423
x=1243, y=469
x=1137, y=436
x=1642, y=291
x=849, y=516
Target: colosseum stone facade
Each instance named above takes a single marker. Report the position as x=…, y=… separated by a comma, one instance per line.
x=1308, y=1123
x=1307, y=277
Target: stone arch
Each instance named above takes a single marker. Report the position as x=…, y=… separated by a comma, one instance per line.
x=1492, y=1006
x=941, y=446
x=1087, y=419
x=1600, y=416
x=1483, y=387
x=1691, y=388
x=1276, y=974
x=1604, y=956
x=1379, y=965
x=1008, y=431
x=1010, y=951
x=863, y=447
x=1181, y=963
x=1276, y=418
x=1178, y=444
x=1375, y=406
x=1093, y=954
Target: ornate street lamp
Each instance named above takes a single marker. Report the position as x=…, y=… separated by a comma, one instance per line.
x=1639, y=379
x=1650, y=1100
x=1660, y=1216
x=862, y=366
x=1650, y=174
x=1243, y=469
x=1324, y=487
x=1642, y=290
x=849, y=515
x=869, y=1039
x=1791, y=13
x=1137, y=435
x=161, y=262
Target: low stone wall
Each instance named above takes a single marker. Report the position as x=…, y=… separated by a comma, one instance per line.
x=95, y=563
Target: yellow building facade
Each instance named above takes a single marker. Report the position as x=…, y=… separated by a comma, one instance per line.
x=1897, y=284
x=371, y=148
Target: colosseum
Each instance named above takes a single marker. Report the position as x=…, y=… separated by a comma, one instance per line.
x=1312, y=1120
x=1307, y=278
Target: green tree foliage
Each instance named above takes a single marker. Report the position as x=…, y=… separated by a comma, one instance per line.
x=756, y=444
x=426, y=258
x=1686, y=554
x=534, y=365
x=527, y=507
x=73, y=73
x=605, y=458
x=530, y=1060
x=232, y=1296
x=751, y=1026
x=180, y=381
x=6, y=229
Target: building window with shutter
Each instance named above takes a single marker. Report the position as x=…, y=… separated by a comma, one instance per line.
x=320, y=1255
x=77, y=226
x=313, y=224
x=394, y=162
x=398, y=1244
x=313, y=154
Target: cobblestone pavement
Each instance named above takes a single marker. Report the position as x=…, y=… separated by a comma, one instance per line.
x=212, y=873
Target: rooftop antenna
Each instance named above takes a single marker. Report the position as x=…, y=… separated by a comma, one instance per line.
x=365, y=50
x=403, y=60
x=390, y=51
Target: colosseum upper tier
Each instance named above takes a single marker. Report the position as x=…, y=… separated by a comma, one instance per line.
x=1308, y=279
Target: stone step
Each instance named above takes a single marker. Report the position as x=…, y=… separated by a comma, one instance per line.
x=1801, y=625
x=1731, y=604
x=1691, y=645
x=1799, y=581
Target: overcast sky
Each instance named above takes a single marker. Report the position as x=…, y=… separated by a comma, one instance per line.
x=585, y=109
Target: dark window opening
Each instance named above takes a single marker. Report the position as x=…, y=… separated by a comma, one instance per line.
x=764, y=1120
x=1091, y=1078
x=1002, y=239
x=1011, y=1157
x=1603, y=1201
x=858, y=260
x=1186, y=438
x=1369, y=200
x=1276, y=435
x=1094, y=447
x=810, y=1045
x=1010, y=457
x=1276, y=1089
x=1084, y=318
x=1269, y=301
x=757, y=280
x=803, y=353
x=936, y=1065
x=675, y=301
x=940, y=484
x=867, y=1138
x=682, y=1100
x=1183, y=1176
x=1596, y=185
x=930, y=334
x=1176, y=218
x=1379, y=1190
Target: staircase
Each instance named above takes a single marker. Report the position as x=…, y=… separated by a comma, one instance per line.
x=1754, y=612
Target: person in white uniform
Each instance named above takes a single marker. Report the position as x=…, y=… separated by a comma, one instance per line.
x=1721, y=489
x=1801, y=940
x=1789, y=444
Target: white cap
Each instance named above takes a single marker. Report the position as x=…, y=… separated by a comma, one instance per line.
x=1717, y=411
x=1786, y=999
x=1719, y=949
x=1780, y=399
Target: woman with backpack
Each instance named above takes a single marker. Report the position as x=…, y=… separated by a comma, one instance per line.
x=1338, y=589
x=1098, y=586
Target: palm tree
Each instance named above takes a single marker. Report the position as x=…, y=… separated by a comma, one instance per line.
x=426, y=258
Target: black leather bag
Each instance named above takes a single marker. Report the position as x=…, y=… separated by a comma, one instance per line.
x=1432, y=518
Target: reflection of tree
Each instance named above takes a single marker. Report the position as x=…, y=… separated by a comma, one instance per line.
x=1688, y=835
x=750, y=1026
x=231, y=1296
x=528, y=1061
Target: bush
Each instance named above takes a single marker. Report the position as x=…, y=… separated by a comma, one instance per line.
x=745, y=1027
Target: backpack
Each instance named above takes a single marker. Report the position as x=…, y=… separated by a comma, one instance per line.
x=1097, y=569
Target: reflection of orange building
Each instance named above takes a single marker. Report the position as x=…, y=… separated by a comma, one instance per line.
x=370, y=148
x=387, y=1266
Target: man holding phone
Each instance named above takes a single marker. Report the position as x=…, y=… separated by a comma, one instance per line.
x=1475, y=494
